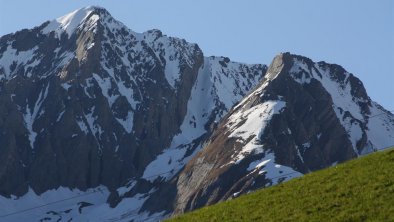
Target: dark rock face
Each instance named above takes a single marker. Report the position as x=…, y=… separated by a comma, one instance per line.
x=303, y=126
x=68, y=120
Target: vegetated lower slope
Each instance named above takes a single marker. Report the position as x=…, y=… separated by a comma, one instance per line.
x=358, y=190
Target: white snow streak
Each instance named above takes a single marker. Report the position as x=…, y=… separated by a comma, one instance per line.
x=31, y=115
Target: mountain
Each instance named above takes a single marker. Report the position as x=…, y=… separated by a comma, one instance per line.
x=86, y=102
x=351, y=191
x=99, y=122
x=302, y=117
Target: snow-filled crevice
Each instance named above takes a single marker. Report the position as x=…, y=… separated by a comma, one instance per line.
x=32, y=113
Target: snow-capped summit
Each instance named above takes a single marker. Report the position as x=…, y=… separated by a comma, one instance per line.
x=70, y=22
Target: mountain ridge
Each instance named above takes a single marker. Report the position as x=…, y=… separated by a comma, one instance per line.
x=88, y=104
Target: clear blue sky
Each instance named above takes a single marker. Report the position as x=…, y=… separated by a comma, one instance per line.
x=357, y=34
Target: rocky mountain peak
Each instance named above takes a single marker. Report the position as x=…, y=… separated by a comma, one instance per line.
x=304, y=71
x=303, y=116
x=85, y=18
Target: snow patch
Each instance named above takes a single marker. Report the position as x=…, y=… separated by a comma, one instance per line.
x=232, y=80
x=300, y=72
x=82, y=125
x=60, y=116
x=127, y=123
x=122, y=190
x=248, y=126
x=255, y=119
x=66, y=86
x=12, y=57
x=380, y=127
x=31, y=114
x=275, y=172
x=106, y=87
x=94, y=127
x=299, y=154
x=171, y=71
x=64, y=204
x=33, y=207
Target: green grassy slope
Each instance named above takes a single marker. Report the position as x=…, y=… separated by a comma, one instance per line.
x=358, y=190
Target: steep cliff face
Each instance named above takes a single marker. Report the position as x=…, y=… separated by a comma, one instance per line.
x=85, y=101
x=304, y=116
